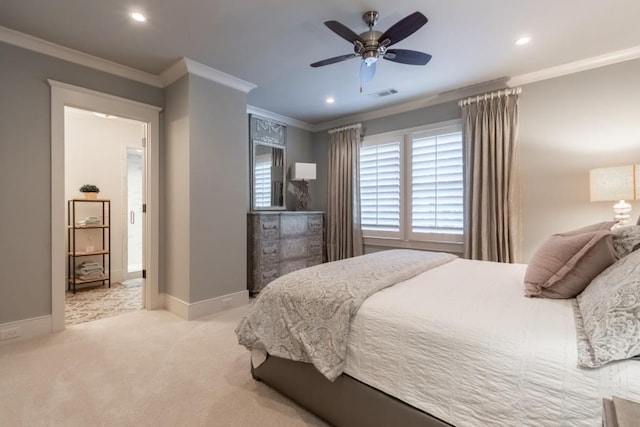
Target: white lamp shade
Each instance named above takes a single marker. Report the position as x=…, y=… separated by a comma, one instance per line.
x=615, y=183
x=303, y=171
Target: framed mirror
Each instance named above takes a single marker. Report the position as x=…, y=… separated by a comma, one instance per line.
x=268, y=164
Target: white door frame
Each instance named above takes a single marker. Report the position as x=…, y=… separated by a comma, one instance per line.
x=63, y=94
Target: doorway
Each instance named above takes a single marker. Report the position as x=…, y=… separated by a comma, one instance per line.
x=107, y=152
x=65, y=95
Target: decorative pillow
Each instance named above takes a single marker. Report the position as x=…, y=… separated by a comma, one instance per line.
x=626, y=240
x=608, y=315
x=566, y=263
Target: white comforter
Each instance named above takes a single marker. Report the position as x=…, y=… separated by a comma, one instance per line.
x=462, y=343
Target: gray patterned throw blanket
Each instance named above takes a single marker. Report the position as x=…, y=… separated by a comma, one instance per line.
x=306, y=315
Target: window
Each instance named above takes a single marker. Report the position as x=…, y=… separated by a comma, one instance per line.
x=436, y=183
x=262, y=188
x=411, y=184
x=380, y=187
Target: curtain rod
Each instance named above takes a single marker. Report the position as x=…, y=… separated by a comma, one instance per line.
x=353, y=126
x=491, y=95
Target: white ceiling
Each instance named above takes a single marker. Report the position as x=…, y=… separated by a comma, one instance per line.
x=272, y=42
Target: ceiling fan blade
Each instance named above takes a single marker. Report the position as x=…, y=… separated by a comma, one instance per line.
x=404, y=56
x=343, y=32
x=334, y=60
x=404, y=28
x=367, y=72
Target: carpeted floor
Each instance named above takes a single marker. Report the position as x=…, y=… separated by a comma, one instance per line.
x=99, y=302
x=143, y=368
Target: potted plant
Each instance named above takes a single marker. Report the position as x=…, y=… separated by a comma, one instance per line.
x=89, y=191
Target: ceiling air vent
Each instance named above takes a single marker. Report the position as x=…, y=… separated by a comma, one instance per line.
x=383, y=93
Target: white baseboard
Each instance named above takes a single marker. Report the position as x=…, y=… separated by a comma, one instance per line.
x=40, y=326
x=195, y=310
x=27, y=328
x=117, y=276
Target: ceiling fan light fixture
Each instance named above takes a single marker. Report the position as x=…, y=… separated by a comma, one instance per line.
x=370, y=56
x=370, y=60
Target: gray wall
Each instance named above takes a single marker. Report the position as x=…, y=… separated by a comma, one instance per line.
x=176, y=174
x=25, y=170
x=219, y=189
x=299, y=149
x=569, y=125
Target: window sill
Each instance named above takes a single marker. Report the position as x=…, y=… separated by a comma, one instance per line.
x=374, y=244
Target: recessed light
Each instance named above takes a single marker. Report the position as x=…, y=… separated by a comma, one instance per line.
x=330, y=100
x=137, y=16
x=523, y=40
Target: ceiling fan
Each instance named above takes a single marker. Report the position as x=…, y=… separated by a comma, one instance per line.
x=372, y=45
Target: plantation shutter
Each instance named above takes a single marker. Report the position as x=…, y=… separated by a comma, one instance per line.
x=437, y=200
x=262, y=179
x=380, y=187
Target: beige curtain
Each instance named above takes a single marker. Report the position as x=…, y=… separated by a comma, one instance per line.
x=492, y=205
x=344, y=235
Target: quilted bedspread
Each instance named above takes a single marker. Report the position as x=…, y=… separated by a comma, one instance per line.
x=306, y=315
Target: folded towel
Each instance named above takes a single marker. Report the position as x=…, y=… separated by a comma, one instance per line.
x=90, y=220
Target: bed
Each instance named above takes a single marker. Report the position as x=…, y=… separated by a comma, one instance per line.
x=456, y=344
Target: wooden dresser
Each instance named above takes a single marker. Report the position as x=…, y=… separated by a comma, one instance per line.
x=281, y=242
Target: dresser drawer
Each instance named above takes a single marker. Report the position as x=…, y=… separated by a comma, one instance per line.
x=315, y=246
x=314, y=224
x=293, y=225
x=294, y=248
x=267, y=227
x=263, y=275
x=266, y=251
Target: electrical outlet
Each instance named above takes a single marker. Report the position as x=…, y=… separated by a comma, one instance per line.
x=7, y=334
x=226, y=303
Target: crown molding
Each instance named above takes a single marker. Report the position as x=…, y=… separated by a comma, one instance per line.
x=576, y=66
x=218, y=76
x=188, y=66
x=174, y=72
x=523, y=79
x=382, y=112
x=168, y=76
x=441, y=98
x=35, y=44
x=280, y=118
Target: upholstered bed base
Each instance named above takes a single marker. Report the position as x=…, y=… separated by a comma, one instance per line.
x=344, y=402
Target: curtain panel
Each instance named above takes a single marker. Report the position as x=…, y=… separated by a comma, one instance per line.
x=344, y=234
x=492, y=187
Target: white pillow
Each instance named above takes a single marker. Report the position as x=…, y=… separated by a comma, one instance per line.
x=626, y=240
x=608, y=314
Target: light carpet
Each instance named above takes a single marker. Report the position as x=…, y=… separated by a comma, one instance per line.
x=144, y=368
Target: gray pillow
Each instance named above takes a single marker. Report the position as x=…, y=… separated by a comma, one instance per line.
x=608, y=315
x=626, y=240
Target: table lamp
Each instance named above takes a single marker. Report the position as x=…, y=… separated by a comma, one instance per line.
x=303, y=172
x=616, y=183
